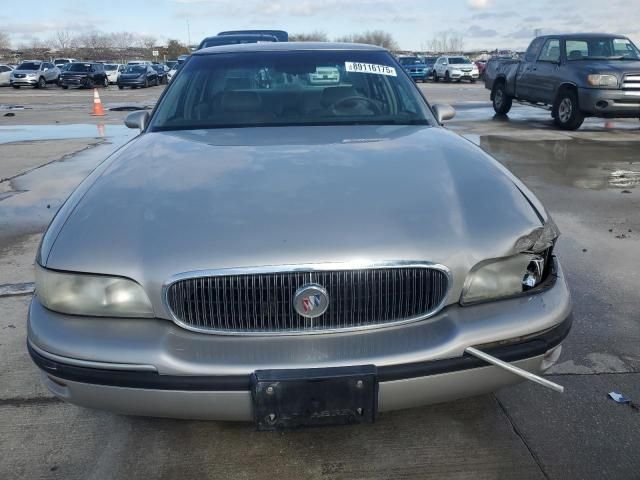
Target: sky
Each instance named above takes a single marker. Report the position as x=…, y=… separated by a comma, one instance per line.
x=484, y=24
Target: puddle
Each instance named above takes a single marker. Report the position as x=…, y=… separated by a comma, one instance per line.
x=587, y=164
x=22, y=133
x=33, y=198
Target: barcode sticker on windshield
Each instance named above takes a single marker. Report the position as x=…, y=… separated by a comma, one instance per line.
x=370, y=68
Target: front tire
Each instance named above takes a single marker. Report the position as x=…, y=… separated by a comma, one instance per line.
x=436, y=79
x=566, y=110
x=105, y=83
x=501, y=101
x=17, y=87
x=42, y=83
x=120, y=87
x=146, y=83
x=447, y=77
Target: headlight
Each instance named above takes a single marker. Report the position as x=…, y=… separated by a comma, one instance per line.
x=510, y=276
x=93, y=295
x=602, y=80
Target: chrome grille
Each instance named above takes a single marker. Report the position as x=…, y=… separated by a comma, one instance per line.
x=631, y=82
x=262, y=303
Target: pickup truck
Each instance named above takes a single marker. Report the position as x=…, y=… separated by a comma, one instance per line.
x=575, y=76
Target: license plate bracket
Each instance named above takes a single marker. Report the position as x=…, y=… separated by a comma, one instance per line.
x=289, y=399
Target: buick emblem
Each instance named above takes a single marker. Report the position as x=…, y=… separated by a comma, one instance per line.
x=311, y=300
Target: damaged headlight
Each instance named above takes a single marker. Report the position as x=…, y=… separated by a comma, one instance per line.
x=92, y=295
x=510, y=276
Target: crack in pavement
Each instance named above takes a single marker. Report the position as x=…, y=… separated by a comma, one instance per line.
x=28, y=401
x=520, y=435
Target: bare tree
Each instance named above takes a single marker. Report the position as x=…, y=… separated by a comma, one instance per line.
x=148, y=41
x=447, y=42
x=64, y=40
x=123, y=40
x=175, y=49
x=5, y=43
x=315, y=36
x=374, y=37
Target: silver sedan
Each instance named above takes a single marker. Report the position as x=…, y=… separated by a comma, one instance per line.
x=275, y=250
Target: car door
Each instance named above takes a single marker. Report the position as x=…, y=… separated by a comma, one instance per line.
x=5, y=72
x=525, y=85
x=546, y=74
x=49, y=72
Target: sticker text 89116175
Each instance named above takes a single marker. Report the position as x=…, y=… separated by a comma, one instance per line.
x=359, y=67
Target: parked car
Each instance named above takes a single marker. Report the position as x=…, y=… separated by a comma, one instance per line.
x=171, y=73
x=456, y=68
x=415, y=67
x=139, y=62
x=221, y=40
x=575, y=76
x=5, y=74
x=34, y=73
x=171, y=63
x=162, y=71
x=430, y=63
x=113, y=70
x=135, y=76
x=481, y=64
x=84, y=75
x=280, y=35
x=154, y=295
x=59, y=62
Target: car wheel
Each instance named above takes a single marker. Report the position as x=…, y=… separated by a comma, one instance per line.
x=156, y=83
x=435, y=77
x=447, y=77
x=120, y=87
x=64, y=87
x=473, y=80
x=501, y=101
x=16, y=86
x=566, y=111
x=89, y=83
x=42, y=83
x=146, y=83
x=105, y=83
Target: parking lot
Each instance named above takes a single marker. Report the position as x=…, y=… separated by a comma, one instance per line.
x=589, y=180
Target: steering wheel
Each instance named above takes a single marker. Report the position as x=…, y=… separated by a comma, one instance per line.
x=354, y=100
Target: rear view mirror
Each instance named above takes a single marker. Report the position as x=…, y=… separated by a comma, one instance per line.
x=443, y=112
x=137, y=119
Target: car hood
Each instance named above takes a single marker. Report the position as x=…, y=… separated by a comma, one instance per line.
x=191, y=200
x=28, y=72
x=616, y=66
x=415, y=65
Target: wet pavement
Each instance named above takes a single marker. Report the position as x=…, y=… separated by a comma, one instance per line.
x=589, y=181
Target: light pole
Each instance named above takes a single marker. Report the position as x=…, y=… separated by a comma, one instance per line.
x=188, y=35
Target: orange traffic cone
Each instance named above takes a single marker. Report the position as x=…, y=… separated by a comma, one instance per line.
x=98, y=111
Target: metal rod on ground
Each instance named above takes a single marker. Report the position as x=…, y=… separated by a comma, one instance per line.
x=513, y=369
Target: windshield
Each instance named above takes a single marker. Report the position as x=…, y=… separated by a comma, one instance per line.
x=601, y=49
x=409, y=60
x=459, y=60
x=135, y=69
x=109, y=67
x=29, y=66
x=430, y=61
x=60, y=61
x=79, y=67
x=158, y=68
x=283, y=88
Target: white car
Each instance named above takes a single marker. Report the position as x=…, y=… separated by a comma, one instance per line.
x=171, y=73
x=5, y=73
x=59, y=62
x=113, y=71
x=455, y=67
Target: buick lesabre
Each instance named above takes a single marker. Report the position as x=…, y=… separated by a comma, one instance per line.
x=278, y=250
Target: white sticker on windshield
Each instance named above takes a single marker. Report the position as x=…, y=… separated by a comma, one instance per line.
x=370, y=68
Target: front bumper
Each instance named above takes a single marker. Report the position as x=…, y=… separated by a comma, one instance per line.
x=72, y=82
x=153, y=367
x=602, y=102
x=131, y=83
x=465, y=75
x=24, y=82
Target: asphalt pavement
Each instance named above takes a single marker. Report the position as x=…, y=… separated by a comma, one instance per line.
x=589, y=181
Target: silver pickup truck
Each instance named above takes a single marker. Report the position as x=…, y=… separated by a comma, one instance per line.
x=575, y=76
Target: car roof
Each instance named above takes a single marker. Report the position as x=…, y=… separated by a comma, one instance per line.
x=583, y=35
x=287, y=46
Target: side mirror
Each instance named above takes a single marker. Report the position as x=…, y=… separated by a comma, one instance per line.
x=137, y=119
x=443, y=112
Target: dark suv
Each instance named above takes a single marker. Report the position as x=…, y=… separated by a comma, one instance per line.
x=84, y=74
